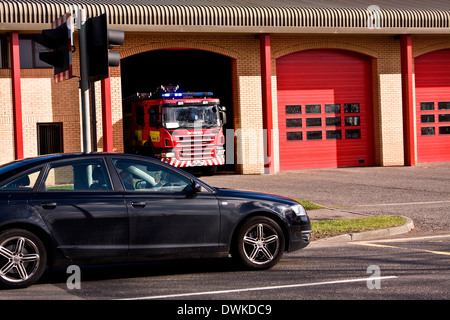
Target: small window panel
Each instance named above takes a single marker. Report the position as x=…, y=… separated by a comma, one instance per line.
x=78, y=175
x=333, y=122
x=444, y=118
x=314, y=135
x=352, y=134
x=427, y=106
x=351, y=107
x=144, y=176
x=427, y=118
x=293, y=109
x=444, y=130
x=333, y=108
x=314, y=122
x=294, y=123
x=294, y=136
x=24, y=182
x=140, y=116
x=334, y=134
x=444, y=105
x=352, y=121
x=313, y=109
x=428, y=131
x=50, y=138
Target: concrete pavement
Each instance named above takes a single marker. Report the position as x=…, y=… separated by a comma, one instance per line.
x=420, y=193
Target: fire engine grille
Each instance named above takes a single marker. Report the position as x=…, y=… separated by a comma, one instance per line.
x=196, y=147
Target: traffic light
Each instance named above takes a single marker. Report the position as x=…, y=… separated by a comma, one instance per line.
x=99, y=41
x=59, y=41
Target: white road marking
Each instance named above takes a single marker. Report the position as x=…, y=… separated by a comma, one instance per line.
x=190, y=294
x=401, y=203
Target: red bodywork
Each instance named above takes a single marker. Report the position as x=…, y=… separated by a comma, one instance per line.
x=165, y=128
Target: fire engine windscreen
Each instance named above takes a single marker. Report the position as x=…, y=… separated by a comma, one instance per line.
x=187, y=117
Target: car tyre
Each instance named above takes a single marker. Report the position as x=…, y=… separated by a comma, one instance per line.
x=259, y=243
x=23, y=258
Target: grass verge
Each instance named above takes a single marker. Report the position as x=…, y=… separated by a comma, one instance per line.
x=308, y=205
x=330, y=228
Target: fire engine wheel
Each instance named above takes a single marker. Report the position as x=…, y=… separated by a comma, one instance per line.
x=259, y=243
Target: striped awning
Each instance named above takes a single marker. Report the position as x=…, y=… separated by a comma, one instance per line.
x=241, y=16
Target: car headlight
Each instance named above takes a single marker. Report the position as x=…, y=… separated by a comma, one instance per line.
x=299, y=210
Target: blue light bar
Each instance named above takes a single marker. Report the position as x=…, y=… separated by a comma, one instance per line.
x=199, y=94
x=187, y=94
x=172, y=95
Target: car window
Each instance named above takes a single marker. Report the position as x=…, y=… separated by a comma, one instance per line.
x=24, y=182
x=78, y=175
x=138, y=175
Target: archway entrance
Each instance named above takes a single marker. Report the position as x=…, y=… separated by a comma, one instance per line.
x=192, y=70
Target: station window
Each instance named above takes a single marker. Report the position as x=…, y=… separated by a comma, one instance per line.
x=427, y=118
x=444, y=118
x=352, y=134
x=352, y=121
x=294, y=136
x=293, y=109
x=428, y=131
x=333, y=122
x=444, y=130
x=444, y=105
x=313, y=108
x=49, y=138
x=29, y=53
x=332, y=108
x=314, y=135
x=427, y=106
x=351, y=107
x=314, y=122
x=4, y=60
x=294, y=123
x=334, y=134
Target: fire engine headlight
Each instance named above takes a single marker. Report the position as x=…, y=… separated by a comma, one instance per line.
x=168, y=155
x=219, y=151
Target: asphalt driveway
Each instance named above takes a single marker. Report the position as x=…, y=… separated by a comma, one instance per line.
x=421, y=193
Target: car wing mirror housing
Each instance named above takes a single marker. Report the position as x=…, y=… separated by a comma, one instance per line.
x=197, y=187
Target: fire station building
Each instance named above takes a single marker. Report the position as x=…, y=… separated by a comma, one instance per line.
x=306, y=84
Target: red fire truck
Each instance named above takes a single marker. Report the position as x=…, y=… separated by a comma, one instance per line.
x=183, y=129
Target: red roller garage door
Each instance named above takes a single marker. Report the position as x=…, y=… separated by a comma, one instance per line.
x=324, y=110
x=432, y=72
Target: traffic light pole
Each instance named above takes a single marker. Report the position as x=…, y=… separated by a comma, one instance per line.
x=84, y=82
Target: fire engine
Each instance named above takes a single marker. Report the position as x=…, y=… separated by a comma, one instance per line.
x=184, y=129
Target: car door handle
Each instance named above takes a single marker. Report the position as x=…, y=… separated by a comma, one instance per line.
x=138, y=204
x=49, y=205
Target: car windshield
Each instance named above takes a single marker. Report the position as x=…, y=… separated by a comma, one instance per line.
x=191, y=117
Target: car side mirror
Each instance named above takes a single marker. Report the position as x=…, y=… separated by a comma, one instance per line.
x=197, y=186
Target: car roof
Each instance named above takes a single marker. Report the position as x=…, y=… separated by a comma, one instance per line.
x=24, y=164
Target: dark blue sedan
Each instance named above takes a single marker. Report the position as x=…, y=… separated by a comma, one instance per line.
x=64, y=209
